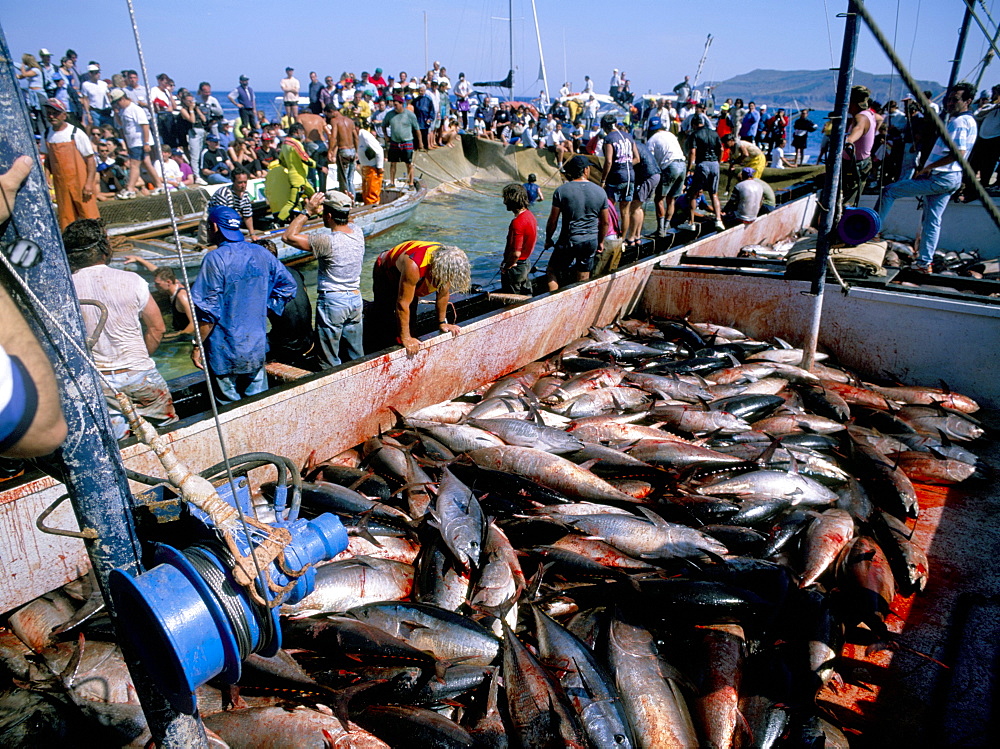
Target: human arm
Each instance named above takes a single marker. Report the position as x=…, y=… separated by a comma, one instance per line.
x=609, y=155
x=205, y=330
x=550, y=224
x=409, y=279
x=232, y=98
x=155, y=327
x=145, y=138
x=858, y=128
x=90, y=186
x=603, y=222
x=184, y=299
x=42, y=428
x=513, y=247
x=141, y=261
x=293, y=233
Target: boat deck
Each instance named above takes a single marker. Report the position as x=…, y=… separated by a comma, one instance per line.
x=899, y=698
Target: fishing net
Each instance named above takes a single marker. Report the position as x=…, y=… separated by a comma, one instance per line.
x=152, y=209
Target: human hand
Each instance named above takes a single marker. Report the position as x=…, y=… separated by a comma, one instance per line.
x=314, y=201
x=10, y=183
x=449, y=328
x=130, y=259
x=88, y=192
x=196, y=358
x=412, y=345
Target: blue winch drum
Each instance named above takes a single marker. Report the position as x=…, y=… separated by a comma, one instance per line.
x=181, y=635
x=858, y=225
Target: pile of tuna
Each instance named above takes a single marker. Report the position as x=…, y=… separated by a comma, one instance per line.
x=661, y=536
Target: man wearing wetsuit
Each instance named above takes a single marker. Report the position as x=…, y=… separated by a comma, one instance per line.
x=400, y=277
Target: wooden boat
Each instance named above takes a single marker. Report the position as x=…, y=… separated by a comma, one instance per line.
x=153, y=242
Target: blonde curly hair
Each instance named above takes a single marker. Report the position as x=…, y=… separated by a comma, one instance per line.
x=449, y=267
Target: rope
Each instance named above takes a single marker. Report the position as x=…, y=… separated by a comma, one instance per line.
x=199, y=341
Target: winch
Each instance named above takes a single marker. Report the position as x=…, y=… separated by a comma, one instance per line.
x=200, y=610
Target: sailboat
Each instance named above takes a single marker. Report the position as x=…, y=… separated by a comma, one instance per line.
x=508, y=81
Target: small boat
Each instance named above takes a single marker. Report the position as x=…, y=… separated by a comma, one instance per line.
x=152, y=240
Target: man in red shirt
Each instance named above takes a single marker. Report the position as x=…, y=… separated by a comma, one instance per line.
x=521, y=238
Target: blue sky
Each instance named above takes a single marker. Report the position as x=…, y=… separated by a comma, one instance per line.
x=655, y=42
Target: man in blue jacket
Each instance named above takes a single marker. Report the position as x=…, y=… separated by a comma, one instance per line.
x=237, y=284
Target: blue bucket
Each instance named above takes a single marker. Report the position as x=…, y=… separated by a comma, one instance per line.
x=858, y=225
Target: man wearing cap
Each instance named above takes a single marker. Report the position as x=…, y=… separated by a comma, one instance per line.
x=237, y=284
x=213, y=166
x=96, y=104
x=583, y=207
x=49, y=72
x=123, y=350
x=244, y=99
x=402, y=127
x=668, y=153
x=704, y=149
x=423, y=108
x=613, y=87
x=340, y=253
x=134, y=124
x=378, y=82
x=744, y=204
x=620, y=158
x=69, y=158
x=290, y=93
x=234, y=196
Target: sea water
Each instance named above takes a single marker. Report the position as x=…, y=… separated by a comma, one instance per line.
x=471, y=217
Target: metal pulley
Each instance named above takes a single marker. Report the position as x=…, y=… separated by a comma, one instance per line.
x=199, y=611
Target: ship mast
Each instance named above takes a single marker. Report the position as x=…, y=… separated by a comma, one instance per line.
x=541, y=57
x=701, y=62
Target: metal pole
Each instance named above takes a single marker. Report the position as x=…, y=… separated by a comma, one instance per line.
x=541, y=57
x=988, y=58
x=510, y=36
x=93, y=471
x=963, y=34
x=831, y=189
x=427, y=65
x=986, y=33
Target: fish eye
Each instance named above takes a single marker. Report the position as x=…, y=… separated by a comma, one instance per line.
x=619, y=739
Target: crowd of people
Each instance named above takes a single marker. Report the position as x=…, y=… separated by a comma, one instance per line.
x=97, y=138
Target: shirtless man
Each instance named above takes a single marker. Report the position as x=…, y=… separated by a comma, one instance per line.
x=342, y=135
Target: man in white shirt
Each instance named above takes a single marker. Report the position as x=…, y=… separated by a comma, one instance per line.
x=668, y=153
x=940, y=176
x=134, y=124
x=123, y=351
x=290, y=93
x=69, y=158
x=96, y=104
x=136, y=92
x=371, y=156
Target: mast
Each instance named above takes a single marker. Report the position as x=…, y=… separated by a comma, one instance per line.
x=541, y=57
x=963, y=34
x=426, y=59
x=701, y=62
x=510, y=33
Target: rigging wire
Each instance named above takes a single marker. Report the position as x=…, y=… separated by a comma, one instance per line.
x=829, y=37
x=916, y=26
x=199, y=341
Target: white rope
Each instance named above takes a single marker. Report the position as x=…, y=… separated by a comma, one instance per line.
x=199, y=341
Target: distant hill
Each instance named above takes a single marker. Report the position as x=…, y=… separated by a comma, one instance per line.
x=815, y=89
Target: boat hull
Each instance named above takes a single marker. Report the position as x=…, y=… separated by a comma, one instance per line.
x=879, y=333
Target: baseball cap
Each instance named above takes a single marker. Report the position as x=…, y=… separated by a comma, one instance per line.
x=115, y=95
x=228, y=222
x=378, y=71
x=94, y=68
x=287, y=69
x=337, y=201
x=398, y=98
x=655, y=123
x=244, y=78
x=44, y=53
x=178, y=152
x=747, y=171
x=212, y=137
x=55, y=104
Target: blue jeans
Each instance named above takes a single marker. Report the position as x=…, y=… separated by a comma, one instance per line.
x=338, y=327
x=196, y=144
x=217, y=179
x=936, y=190
x=234, y=387
x=345, y=169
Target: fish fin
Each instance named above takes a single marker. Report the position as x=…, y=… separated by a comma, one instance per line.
x=310, y=465
x=944, y=386
x=340, y=700
x=363, y=531
x=588, y=464
x=400, y=419
x=652, y=516
x=362, y=479
x=768, y=455
x=783, y=343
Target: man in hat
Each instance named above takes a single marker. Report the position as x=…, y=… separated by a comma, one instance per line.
x=245, y=101
x=69, y=158
x=134, y=124
x=704, y=148
x=49, y=72
x=668, y=153
x=338, y=283
x=379, y=82
x=95, y=100
x=213, y=166
x=237, y=284
x=290, y=94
